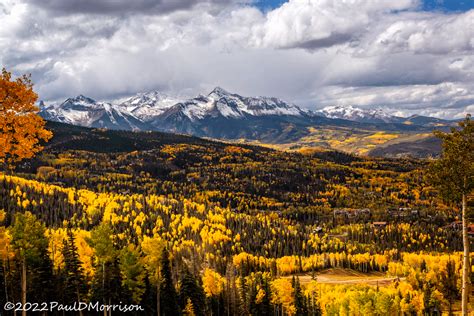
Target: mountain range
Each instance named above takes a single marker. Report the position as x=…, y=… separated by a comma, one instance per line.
x=155, y=110
x=225, y=115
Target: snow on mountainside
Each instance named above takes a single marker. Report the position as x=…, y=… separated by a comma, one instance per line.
x=229, y=105
x=87, y=112
x=353, y=113
x=154, y=110
x=147, y=105
x=209, y=115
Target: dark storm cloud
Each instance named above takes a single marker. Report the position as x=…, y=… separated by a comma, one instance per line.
x=331, y=40
x=119, y=6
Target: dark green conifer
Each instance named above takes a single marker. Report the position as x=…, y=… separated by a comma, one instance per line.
x=168, y=297
x=191, y=289
x=73, y=275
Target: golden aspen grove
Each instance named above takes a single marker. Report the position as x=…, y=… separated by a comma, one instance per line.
x=181, y=225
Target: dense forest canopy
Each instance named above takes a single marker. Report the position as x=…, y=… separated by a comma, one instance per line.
x=185, y=225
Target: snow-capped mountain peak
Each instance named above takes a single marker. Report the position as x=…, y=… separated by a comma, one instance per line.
x=353, y=113
x=148, y=105
x=85, y=111
x=220, y=102
x=80, y=100
x=218, y=93
x=153, y=109
x=220, y=114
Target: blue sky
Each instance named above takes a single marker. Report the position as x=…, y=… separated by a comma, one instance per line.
x=428, y=5
x=269, y=4
x=448, y=5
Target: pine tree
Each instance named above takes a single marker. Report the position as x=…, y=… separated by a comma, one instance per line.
x=149, y=297
x=73, y=275
x=43, y=283
x=314, y=306
x=260, y=296
x=449, y=288
x=168, y=297
x=191, y=290
x=300, y=303
x=107, y=284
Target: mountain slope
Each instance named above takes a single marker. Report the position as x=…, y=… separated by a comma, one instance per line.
x=357, y=114
x=426, y=121
x=84, y=111
x=220, y=103
x=221, y=114
x=66, y=137
x=420, y=148
x=148, y=105
x=266, y=120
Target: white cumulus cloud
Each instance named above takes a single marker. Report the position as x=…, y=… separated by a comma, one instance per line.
x=311, y=52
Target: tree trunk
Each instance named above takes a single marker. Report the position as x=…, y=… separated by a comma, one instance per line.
x=78, y=300
x=158, y=311
x=5, y=280
x=103, y=286
x=466, y=264
x=23, y=286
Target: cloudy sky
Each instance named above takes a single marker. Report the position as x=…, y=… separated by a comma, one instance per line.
x=407, y=56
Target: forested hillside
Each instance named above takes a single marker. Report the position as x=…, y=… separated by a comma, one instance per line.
x=183, y=225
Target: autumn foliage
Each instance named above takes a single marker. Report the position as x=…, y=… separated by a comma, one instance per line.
x=22, y=129
x=184, y=226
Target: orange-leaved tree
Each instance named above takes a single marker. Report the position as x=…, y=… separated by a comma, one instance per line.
x=21, y=128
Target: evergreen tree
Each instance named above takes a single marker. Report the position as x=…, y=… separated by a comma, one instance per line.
x=75, y=287
x=107, y=284
x=43, y=283
x=300, y=303
x=168, y=297
x=149, y=297
x=191, y=289
x=262, y=303
x=314, y=307
x=449, y=288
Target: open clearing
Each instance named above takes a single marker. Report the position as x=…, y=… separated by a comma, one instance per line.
x=347, y=276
